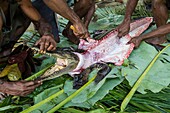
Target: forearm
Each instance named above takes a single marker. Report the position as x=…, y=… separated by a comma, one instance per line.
x=29, y=10
x=41, y=25
x=130, y=7
x=61, y=7
x=89, y=15
x=163, y=30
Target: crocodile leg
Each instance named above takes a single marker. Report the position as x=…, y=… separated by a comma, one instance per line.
x=82, y=78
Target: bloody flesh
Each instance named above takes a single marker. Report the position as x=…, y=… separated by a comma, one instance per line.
x=110, y=48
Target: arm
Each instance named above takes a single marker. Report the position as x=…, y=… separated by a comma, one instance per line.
x=47, y=41
x=61, y=7
x=19, y=88
x=29, y=10
x=124, y=28
x=161, y=31
x=89, y=15
x=130, y=7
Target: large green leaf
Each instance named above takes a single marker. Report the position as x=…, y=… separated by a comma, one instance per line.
x=106, y=23
x=45, y=94
x=64, y=42
x=159, y=75
x=93, y=92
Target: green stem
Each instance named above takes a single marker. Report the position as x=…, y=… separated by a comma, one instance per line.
x=30, y=109
x=38, y=73
x=71, y=96
x=138, y=82
x=143, y=107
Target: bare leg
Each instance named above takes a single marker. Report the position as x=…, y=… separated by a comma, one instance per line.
x=81, y=8
x=160, y=14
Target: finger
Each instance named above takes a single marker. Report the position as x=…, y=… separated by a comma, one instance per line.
x=54, y=48
x=132, y=41
x=37, y=42
x=30, y=88
x=129, y=42
x=81, y=36
x=122, y=33
x=25, y=93
x=87, y=35
x=42, y=47
x=2, y=95
x=76, y=34
x=51, y=47
x=30, y=83
x=47, y=43
x=119, y=34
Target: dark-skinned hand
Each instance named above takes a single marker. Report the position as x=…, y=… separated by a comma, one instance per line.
x=46, y=43
x=136, y=41
x=80, y=30
x=20, y=88
x=123, y=28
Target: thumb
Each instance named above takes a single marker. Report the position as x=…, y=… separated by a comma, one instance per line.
x=37, y=42
x=130, y=41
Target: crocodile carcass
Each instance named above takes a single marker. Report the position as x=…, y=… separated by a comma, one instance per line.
x=110, y=48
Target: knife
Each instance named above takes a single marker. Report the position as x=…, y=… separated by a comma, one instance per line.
x=73, y=28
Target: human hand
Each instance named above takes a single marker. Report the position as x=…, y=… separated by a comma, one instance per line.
x=46, y=43
x=136, y=41
x=20, y=88
x=80, y=30
x=123, y=28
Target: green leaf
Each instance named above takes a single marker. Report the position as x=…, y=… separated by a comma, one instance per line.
x=69, y=98
x=71, y=110
x=143, y=75
x=91, y=94
x=46, y=62
x=106, y=23
x=48, y=104
x=10, y=107
x=98, y=111
x=157, y=78
x=64, y=42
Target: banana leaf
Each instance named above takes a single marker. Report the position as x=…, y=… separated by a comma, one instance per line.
x=157, y=78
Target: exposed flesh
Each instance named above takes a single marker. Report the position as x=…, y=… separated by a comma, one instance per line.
x=110, y=48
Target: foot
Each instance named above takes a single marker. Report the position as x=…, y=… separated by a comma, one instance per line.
x=70, y=35
x=157, y=40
